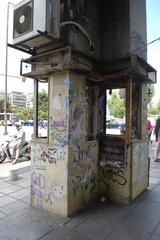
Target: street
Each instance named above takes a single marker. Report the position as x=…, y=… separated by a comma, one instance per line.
x=12, y=130
x=6, y=165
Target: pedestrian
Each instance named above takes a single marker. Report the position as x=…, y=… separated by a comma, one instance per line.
x=157, y=138
x=149, y=129
x=18, y=141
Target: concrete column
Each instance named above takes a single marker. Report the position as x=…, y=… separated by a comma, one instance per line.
x=64, y=167
x=83, y=154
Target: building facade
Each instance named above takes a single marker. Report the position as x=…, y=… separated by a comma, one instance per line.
x=29, y=100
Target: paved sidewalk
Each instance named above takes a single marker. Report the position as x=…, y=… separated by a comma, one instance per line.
x=100, y=221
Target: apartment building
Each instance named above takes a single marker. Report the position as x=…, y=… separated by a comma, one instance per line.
x=29, y=100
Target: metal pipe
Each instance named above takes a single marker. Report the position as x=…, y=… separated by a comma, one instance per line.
x=6, y=72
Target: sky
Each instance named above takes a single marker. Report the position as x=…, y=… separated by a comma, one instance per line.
x=14, y=56
x=153, y=32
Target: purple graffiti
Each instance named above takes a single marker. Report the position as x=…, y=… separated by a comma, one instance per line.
x=38, y=180
x=59, y=125
x=42, y=197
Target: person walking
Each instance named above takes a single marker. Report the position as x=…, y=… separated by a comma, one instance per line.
x=149, y=129
x=157, y=138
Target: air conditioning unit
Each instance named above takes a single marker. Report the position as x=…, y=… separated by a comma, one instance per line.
x=32, y=18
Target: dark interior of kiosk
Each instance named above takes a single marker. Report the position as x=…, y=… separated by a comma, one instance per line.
x=114, y=133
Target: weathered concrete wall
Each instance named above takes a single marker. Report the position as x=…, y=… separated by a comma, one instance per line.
x=140, y=149
x=124, y=28
x=64, y=169
x=138, y=35
x=125, y=184
x=114, y=178
x=48, y=187
x=123, y=171
x=140, y=168
x=50, y=159
x=116, y=29
x=83, y=155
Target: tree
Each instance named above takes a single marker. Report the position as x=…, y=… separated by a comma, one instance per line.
x=25, y=113
x=2, y=103
x=116, y=105
x=152, y=111
x=42, y=105
x=158, y=107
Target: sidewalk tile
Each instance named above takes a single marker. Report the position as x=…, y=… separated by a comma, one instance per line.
x=5, y=200
x=154, y=237
x=97, y=227
x=2, y=214
x=20, y=194
x=26, y=199
x=148, y=208
x=23, y=228
x=24, y=184
x=129, y=233
x=65, y=233
x=4, y=185
x=10, y=189
x=141, y=222
x=157, y=230
x=12, y=208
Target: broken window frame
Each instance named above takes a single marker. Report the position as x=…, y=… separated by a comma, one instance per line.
x=111, y=89
x=36, y=118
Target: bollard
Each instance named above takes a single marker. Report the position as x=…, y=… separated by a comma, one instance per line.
x=14, y=175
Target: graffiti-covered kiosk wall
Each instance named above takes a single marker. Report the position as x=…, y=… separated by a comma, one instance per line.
x=82, y=156
x=65, y=163
x=93, y=62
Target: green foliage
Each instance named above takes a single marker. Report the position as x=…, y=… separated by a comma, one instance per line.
x=42, y=105
x=116, y=106
x=152, y=111
x=158, y=107
x=25, y=113
x=2, y=103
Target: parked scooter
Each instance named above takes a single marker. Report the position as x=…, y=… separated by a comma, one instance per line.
x=6, y=152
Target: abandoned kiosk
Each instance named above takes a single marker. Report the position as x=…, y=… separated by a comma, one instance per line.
x=83, y=52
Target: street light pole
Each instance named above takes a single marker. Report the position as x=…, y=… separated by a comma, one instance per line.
x=6, y=71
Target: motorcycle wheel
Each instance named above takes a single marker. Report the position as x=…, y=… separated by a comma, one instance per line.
x=2, y=157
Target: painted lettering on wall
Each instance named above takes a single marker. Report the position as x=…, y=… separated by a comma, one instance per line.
x=87, y=186
x=116, y=176
x=39, y=153
x=86, y=153
x=38, y=180
x=77, y=121
x=56, y=154
x=43, y=193
x=58, y=139
x=39, y=191
x=84, y=167
x=59, y=125
x=59, y=191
